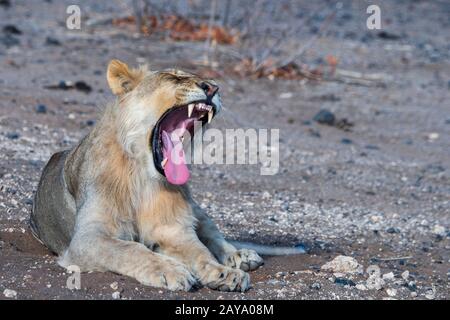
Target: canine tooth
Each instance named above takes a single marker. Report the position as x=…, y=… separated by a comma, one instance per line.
x=163, y=163
x=190, y=109
x=210, y=116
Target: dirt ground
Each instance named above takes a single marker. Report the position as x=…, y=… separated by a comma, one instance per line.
x=379, y=193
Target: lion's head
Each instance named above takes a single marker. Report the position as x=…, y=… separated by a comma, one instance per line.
x=157, y=109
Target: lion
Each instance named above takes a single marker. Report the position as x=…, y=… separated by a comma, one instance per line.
x=119, y=200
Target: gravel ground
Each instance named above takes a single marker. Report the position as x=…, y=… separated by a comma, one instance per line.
x=378, y=193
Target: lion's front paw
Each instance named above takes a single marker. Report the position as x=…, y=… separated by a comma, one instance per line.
x=227, y=279
x=244, y=259
x=171, y=275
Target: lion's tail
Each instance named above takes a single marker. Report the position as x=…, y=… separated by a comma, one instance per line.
x=268, y=250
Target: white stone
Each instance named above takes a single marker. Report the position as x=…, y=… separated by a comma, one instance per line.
x=266, y=195
x=114, y=286
x=343, y=264
x=388, y=276
x=361, y=287
x=8, y=293
x=439, y=230
x=375, y=282
x=286, y=95
x=405, y=275
x=116, y=295
x=391, y=292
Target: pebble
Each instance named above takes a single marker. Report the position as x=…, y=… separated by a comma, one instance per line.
x=316, y=286
x=346, y=141
x=286, y=95
x=388, y=276
x=361, y=287
x=50, y=41
x=392, y=230
x=412, y=286
x=8, y=293
x=116, y=295
x=12, y=135
x=325, y=116
x=391, y=292
x=439, y=230
x=405, y=275
x=41, y=108
x=266, y=195
x=430, y=294
x=114, y=286
x=344, y=282
x=432, y=136
x=376, y=219
x=343, y=264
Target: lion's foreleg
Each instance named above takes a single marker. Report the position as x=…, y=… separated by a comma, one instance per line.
x=92, y=248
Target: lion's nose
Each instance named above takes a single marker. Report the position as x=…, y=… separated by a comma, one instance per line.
x=209, y=88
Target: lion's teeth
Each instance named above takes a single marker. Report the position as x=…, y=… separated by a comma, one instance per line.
x=210, y=116
x=163, y=163
x=190, y=109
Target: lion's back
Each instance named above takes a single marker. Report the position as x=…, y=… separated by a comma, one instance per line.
x=53, y=217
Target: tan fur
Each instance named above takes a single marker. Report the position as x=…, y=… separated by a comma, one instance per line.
x=114, y=211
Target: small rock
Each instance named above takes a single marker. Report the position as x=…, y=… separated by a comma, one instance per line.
x=344, y=282
x=388, y=276
x=315, y=286
x=388, y=36
x=116, y=295
x=392, y=230
x=361, y=287
x=50, y=41
x=405, y=275
x=375, y=282
x=8, y=293
x=286, y=95
x=5, y=3
x=325, y=117
x=430, y=293
x=13, y=135
x=432, y=136
x=439, y=230
x=114, y=286
x=411, y=286
x=376, y=219
x=41, y=108
x=83, y=86
x=266, y=195
x=343, y=264
x=391, y=292
x=11, y=29
x=346, y=141
x=413, y=294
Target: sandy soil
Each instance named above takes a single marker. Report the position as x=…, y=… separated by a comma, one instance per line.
x=376, y=192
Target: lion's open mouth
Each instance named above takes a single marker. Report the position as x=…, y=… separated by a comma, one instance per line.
x=168, y=136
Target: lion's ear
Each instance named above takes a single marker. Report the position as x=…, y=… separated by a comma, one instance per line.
x=122, y=79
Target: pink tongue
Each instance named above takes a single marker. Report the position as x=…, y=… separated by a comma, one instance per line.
x=175, y=169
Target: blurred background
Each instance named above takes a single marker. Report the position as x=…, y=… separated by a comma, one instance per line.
x=363, y=114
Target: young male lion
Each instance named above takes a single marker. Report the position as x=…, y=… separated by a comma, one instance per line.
x=118, y=200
